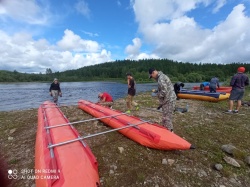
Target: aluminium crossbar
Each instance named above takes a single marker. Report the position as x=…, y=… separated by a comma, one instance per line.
x=76, y=122
x=96, y=134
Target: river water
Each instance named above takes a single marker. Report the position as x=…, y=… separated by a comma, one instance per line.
x=20, y=96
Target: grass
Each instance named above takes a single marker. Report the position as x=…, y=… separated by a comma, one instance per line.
x=204, y=125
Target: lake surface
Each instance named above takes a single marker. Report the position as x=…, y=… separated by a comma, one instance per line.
x=20, y=96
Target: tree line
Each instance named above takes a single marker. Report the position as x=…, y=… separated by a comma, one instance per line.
x=116, y=70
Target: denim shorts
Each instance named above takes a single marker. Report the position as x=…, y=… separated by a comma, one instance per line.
x=236, y=94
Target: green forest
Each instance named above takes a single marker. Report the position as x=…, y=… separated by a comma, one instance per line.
x=116, y=71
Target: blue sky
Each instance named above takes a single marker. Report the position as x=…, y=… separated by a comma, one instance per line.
x=69, y=34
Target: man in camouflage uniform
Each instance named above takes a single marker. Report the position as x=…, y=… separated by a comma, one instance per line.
x=166, y=96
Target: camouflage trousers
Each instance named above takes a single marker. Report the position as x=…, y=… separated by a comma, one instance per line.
x=167, y=114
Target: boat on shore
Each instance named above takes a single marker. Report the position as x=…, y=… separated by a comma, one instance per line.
x=144, y=132
x=203, y=95
x=226, y=89
x=65, y=165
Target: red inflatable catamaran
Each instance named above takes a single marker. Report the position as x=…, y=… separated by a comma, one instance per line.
x=66, y=164
x=226, y=89
x=144, y=132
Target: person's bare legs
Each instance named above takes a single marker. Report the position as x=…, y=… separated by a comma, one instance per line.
x=238, y=105
x=129, y=102
x=231, y=104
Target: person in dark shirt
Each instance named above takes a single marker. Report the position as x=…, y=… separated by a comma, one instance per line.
x=177, y=88
x=131, y=93
x=55, y=90
x=214, y=82
x=238, y=83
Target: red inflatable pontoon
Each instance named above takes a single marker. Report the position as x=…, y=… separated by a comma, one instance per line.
x=226, y=89
x=145, y=133
x=68, y=165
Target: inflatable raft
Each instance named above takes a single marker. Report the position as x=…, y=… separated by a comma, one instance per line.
x=203, y=95
x=226, y=89
x=67, y=165
x=143, y=132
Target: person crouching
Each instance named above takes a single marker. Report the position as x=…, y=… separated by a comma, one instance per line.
x=105, y=99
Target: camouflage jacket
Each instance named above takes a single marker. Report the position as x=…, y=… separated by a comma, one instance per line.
x=165, y=89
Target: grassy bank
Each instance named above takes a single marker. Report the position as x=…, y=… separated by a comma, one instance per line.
x=204, y=125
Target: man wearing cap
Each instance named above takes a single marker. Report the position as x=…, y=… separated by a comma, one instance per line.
x=166, y=96
x=55, y=90
x=105, y=99
x=238, y=83
x=131, y=93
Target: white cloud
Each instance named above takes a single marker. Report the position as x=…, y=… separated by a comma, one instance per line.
x=133, y=51
x=25, y=54
x=119, y=3
x=135, y=48
x=143, y=56
x=21, y=51
x=165, y=26
x=91, y=34
x=148, y=12
x=71, y=41
x=82, y=7
x=219, y=5
x=24, y=11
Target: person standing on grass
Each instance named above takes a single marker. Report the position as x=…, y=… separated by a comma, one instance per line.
x=214, y=82
x=166, y=96
x=55, y=90
x=238, y=83
x=131, y=93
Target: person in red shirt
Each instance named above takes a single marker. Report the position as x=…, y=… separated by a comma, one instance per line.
x=105, y=99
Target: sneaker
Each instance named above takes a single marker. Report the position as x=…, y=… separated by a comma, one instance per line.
x=229, y=112
x=128, y=111
x=236, y=111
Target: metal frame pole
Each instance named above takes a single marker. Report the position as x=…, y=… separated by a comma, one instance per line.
x=96, y=134
x=93, y=119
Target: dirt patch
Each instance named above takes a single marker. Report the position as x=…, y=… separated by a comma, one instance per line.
x=17, y=141
x=204, y=125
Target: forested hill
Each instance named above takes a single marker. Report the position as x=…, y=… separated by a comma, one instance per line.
x=177, y=71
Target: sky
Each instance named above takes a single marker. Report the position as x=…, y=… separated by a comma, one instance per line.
x=70, y=34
